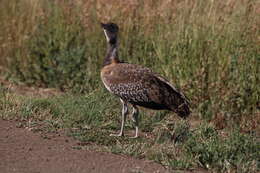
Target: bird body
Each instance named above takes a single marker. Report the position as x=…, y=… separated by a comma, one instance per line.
x=137, y=85
x=140, y=86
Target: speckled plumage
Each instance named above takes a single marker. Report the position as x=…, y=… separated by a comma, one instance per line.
x=138, y=85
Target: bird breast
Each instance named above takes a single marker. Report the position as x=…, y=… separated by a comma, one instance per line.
x=126, y=81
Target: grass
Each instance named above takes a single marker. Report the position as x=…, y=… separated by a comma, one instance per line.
x=209, y=49
x=174, y=143
x=215, y=62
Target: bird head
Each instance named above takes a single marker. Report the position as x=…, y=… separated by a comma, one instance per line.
x=111, y=31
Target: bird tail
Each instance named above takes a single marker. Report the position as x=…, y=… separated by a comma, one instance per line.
x=183, y=107
x=179, y=103
x=183, y=110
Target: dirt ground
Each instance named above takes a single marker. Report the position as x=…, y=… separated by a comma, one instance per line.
x=24, y=151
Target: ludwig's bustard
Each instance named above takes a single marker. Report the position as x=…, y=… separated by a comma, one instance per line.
x=137, y=85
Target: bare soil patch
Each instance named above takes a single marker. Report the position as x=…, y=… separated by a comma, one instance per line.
x=24, y=151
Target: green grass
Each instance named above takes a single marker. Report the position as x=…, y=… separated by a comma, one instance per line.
x=164, y=139
x=209, y=49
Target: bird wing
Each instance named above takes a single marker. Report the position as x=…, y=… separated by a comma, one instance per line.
x=176, y=90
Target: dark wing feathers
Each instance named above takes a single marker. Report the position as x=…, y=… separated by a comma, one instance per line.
x=175, y=100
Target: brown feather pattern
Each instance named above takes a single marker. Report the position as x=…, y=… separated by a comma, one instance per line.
x=140, y=86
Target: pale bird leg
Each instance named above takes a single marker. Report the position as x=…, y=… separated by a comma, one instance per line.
x=124, y=113
x=135, y=120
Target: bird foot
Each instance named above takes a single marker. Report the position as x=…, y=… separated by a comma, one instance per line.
x=117, y=135
x=134, y=137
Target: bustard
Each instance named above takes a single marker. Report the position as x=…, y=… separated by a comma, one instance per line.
x=137, y=85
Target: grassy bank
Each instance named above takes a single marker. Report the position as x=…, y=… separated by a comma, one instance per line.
x=165, y=139
x=209, y=49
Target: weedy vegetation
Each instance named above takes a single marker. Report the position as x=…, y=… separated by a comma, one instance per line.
x=210, y=49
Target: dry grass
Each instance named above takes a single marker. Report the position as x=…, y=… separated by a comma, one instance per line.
x=208, y=48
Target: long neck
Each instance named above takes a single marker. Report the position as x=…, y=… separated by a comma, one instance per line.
x=111, y=55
